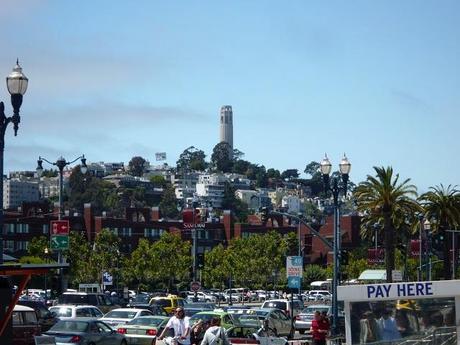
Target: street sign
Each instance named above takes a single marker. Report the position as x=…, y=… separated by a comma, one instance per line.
x=107, y=279
x=59, y=227
x=59, y=242
x=294, y=282
x=396, y=276
x=294, y=266
x=195, y=286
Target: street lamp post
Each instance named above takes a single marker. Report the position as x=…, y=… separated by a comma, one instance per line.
x=61, y=163
x=16, y=83
x=335, y=189
x=427, y=228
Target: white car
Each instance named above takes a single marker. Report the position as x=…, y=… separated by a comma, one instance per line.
x=123, y=315
x=319, y=295
x=243, y=334
x=64, y=312
x=201, y=297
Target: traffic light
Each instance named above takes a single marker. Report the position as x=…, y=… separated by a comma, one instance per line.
x=200, y=260
x=264, y=215
x=55, y=286
x=344, y=256
x=437, y=243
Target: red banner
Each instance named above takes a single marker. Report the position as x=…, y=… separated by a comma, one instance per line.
x=414, y=248
x=375, y=256
x=192, y=218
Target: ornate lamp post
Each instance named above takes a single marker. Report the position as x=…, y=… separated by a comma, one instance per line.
x=335, y=189
x=61, y=163
x=16, y=83
x=427, y=228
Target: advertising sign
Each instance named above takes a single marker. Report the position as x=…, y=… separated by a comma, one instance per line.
x=294, y=271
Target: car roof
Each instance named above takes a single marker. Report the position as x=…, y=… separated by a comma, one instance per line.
x=277, y=300
x=212, y=312
x=73, y=306
x=18, y=307
x=129, y=309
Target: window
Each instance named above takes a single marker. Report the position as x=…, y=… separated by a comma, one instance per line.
x=8, y=245
x=30, y=318
x=83, y=312
x=45, y=229
x=126, y=232
x=96, y=312
x=17, y=320
x=23, y=229
x=10, y=228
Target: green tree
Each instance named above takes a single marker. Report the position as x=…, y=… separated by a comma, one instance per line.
x=289, y=174
x=192, y=159
x=105, y=254
x=355, y=266
x=79, y=257
x=231, y=202
x=312, y=169
x=313, y=273
x=241, y=167
x=222, y=157
x=158, y=181
x=216, y=267
x=136, y=165
x=443, y=205
x=37, y=247
x=273, y=174
x=168, y=203
x=50, y=173
x=141, y=266
x=384, y=199
x=172, y=258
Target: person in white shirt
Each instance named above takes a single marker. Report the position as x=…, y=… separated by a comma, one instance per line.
x=215, y=334
x=181, y=327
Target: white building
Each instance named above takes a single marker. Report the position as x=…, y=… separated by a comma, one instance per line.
x=185, y=184
x=210, y=189
x=15, y=192
x=48, y=186
x=291, y=203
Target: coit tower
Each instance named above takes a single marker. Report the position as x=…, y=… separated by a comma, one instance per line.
x=226, y=124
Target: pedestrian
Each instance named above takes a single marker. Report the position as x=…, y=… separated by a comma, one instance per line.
x=181, y=327
x=215, y=334
x=388, y=328
x=197, y=333
x=319, y=329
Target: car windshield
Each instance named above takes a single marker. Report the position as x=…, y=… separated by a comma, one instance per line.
x=241, y=332
x=162, y=302
x=201, y=316
x=275, y=304
x=62, y=311
x=311, y=309
x=146, y=321
x=262, y=313
x=70, y=326
x=247, y=319
x=121, y=314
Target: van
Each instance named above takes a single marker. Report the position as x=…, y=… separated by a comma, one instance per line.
x=25, y=325
x=103, y=302
x=285, y=305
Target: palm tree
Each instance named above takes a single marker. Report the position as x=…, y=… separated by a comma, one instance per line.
x=385, y=200
x=443, y=204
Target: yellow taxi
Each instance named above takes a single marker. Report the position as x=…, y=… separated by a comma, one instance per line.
x=168, y=303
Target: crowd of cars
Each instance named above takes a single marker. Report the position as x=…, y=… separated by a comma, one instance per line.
x=94, y=318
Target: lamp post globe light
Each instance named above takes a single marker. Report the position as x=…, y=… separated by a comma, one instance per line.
x=336, y=190
x=427, y=228
x=16, y=83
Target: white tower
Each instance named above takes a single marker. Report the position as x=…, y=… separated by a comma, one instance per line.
x=226, y=124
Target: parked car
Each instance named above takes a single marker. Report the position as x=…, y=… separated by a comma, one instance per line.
x=201, y=297
x=285, y=305
x=46, y=318
x=123, y=315
x=319, y=295
x=103, y=302
x=25, y=325
x=206, y=316
x=304, y=319
x=143, y=330
x=242, y=334
x=277, y=320
x=64, y=312
x=168, y=303
x=89, y=331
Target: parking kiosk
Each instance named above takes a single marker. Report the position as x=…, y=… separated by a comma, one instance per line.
x=412, y=313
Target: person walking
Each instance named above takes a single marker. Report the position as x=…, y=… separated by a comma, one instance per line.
x=181, y=327
x=319, y=329
x=215, y=334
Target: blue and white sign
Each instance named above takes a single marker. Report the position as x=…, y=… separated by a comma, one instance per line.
x=395, y=291
x=294, y=266
x=107, y=279
x=294, y=282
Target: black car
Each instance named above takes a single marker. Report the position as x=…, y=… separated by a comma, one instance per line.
x=46, y=319
x=100, y=300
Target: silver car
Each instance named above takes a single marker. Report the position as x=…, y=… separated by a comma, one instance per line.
x=81, y=331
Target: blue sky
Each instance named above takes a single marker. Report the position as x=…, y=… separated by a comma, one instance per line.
x=379, y=80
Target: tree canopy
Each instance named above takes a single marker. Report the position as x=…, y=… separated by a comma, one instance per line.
x=192, y=159
x=137, y=165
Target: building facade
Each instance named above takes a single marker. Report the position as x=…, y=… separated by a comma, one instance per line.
x=15, y=192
